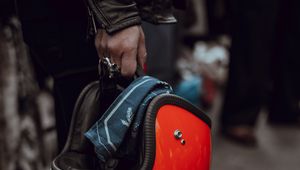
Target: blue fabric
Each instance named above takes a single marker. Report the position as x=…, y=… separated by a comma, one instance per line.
x=125, y=113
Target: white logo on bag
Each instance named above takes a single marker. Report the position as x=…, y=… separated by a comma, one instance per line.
x=128, y=117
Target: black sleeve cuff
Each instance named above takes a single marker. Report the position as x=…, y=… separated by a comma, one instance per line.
x=115, y=15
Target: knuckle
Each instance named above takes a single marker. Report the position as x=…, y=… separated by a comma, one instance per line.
x=97, y=43
x=144, y=57
x=102, y=45
x=143, y=36
x=129, y=69
x=129, y=46
x=114, y=49
x=127, y=73
x=111, y=45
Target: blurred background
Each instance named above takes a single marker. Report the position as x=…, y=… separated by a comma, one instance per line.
x=237, y=60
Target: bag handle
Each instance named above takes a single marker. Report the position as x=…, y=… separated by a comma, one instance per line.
x=110, y=77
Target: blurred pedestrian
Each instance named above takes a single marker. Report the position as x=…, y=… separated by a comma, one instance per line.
x=56, y=33
x=25, y=128
x=252, y=74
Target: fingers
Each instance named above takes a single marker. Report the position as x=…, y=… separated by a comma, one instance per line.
x=114, y=52
x=125, y=48
x=129, y=62
x=142, y=52
x=136, y=55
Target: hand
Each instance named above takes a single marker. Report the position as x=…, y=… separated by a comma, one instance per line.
x=126, y=48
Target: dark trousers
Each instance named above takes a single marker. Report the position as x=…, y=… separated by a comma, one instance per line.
x=284, y=100
x=56, y=33
x=254, y=78
x=160, y=44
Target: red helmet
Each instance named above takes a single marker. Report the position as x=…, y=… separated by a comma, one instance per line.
x=177, y=135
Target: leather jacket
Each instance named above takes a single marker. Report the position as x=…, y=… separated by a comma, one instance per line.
x=114, y=15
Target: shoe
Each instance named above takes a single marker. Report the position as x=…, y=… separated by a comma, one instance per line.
x=243, y=135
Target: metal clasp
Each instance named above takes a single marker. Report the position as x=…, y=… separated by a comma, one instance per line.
x=113, y=68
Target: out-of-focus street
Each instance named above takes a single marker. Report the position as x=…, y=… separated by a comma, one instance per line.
x=238, y=61
x=278, y=148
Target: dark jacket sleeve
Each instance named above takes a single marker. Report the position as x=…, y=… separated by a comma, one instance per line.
x=156, y=11
x=115, y=15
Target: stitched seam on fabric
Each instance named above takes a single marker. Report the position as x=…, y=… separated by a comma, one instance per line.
x=100, y=139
